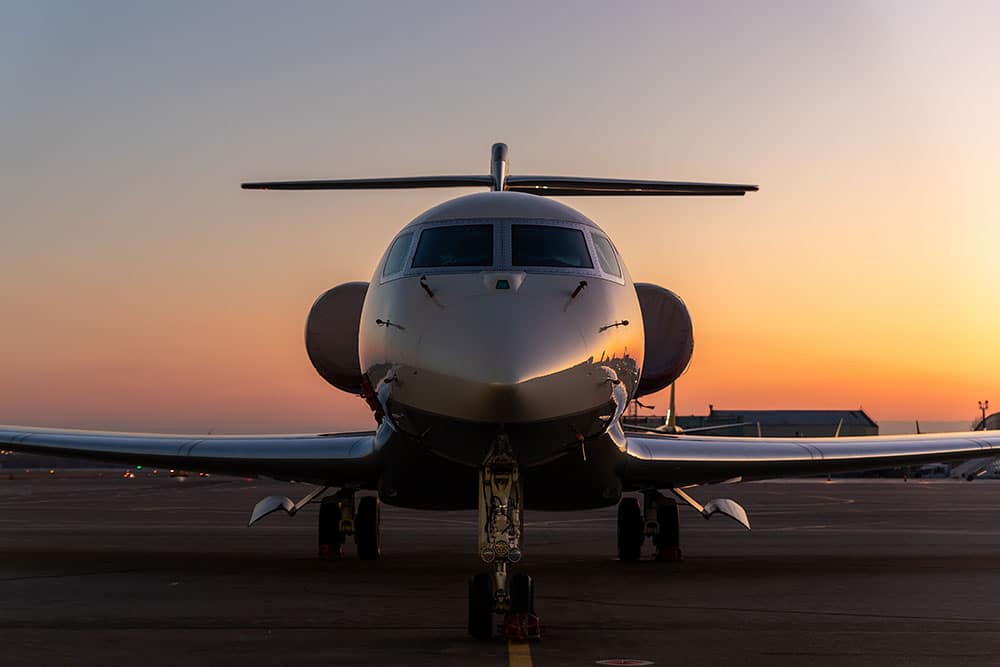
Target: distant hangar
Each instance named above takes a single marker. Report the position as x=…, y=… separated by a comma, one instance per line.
x=775, y=423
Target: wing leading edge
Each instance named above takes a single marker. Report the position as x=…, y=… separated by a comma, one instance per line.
x=335, y=459
x=664, y=461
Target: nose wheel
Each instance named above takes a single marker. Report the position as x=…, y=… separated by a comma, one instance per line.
x=481, y=606
x=501, y=522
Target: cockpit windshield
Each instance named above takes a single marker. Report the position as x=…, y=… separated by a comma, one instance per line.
x=397, y=254
x=545, y=245
x=455, y=245
x=606, y=255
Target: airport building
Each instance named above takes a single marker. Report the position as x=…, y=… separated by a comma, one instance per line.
x=820, y=424
x=774, y=423
x=992, y=422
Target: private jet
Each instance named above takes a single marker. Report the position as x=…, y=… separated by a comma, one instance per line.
x=498, y=344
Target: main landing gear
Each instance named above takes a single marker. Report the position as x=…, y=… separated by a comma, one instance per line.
x=338, y=519
x=501, y=522
x=658, y=520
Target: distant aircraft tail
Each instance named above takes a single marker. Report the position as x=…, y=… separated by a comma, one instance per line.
x=669, y=424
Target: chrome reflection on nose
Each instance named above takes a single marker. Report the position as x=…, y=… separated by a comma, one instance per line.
x=502, y=360
x=494, y=344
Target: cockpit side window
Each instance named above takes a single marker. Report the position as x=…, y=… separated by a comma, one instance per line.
x=606, y=255
x=545, y=245
x=454, y=245
x=397, y=254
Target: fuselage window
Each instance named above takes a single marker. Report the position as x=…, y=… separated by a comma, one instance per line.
x=606, y=255
x=542, y=245
x=397, y=254
x=456, y=245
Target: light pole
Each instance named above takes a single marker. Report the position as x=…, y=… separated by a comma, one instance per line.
x=983, y=407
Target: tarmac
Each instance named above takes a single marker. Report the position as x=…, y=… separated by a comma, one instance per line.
x=159, y=571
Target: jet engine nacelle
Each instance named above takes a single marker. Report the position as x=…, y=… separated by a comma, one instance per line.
x=332, y=335
x=669, y=337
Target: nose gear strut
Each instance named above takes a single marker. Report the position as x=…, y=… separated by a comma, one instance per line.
x=501, y=522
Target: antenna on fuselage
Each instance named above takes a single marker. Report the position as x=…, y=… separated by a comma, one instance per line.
x=500, y=180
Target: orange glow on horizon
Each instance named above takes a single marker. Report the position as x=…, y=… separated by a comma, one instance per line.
x=141, y=288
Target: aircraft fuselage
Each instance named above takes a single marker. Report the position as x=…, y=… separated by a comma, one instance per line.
x=547, y=355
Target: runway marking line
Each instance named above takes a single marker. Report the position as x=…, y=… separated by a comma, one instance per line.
x=519, y=654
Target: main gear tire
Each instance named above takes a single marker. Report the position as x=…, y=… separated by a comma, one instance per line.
x=631, y=530
x=330, y=539
x=367, y=533
x=668, y=538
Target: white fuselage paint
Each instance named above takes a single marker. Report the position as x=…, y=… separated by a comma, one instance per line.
x=469, y=353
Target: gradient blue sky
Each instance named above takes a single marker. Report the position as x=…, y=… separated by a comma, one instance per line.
x=140, y=288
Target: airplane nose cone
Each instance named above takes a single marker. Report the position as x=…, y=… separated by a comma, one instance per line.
x=489, y=345
x=489, y=360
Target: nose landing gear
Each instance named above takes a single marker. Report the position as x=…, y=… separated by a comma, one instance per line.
x=501, y=522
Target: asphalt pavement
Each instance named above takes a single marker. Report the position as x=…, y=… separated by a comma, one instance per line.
x=158, y=571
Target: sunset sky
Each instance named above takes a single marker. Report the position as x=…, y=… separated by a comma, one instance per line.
x=140, y=288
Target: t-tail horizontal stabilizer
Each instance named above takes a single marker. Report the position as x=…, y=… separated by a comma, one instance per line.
x=499, y=179
x=274, y=503
x=723, y=506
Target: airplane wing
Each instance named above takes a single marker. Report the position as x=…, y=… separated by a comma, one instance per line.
x=335, y=459
x=670, y=461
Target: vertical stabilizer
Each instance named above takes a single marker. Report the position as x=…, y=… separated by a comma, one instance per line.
x=498, y=167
